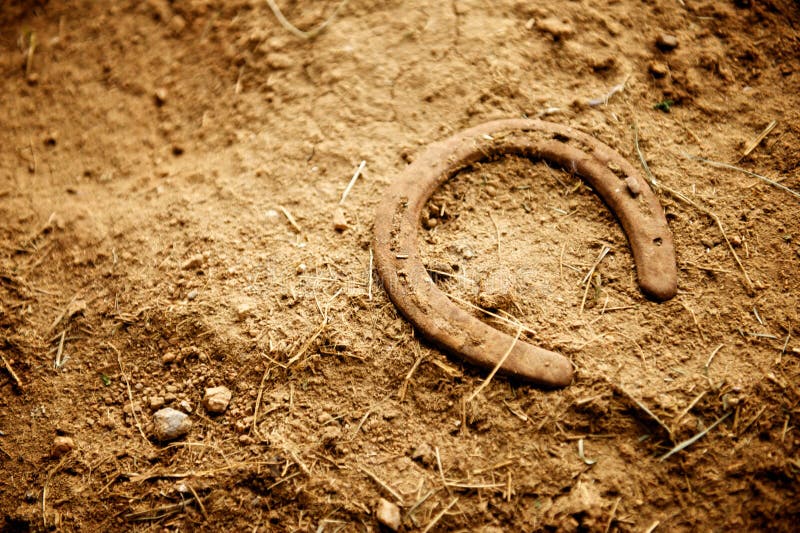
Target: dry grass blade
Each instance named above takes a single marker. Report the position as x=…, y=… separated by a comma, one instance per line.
x=130, y=392
x=496, y=367
x=439, y=516
x=683, y=198
x=409, y=375
x=688, y=408
x=14, y=375
x=688, y=442
x=291, y=219
x=352, y=181
x=45, y=488
x=157, y=513
x=294, y=30
x=385, y=486
x=765, y=179
x=588, y=278
x=515, y=322
x=761, y=136
x=644, y=408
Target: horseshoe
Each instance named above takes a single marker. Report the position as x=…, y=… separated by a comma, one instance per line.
x=454, y=330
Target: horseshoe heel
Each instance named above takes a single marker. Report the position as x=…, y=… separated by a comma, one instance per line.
x=454, y=330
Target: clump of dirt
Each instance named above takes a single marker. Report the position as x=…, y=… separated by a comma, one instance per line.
x=171, y=177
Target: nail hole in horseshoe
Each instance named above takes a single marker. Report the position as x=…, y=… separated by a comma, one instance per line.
x=658, y=241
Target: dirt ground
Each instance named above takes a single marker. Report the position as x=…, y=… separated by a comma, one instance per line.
x=170, y=173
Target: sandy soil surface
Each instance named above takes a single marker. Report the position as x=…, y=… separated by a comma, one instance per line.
x=170, y=175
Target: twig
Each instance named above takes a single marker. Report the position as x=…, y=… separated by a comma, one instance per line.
x=694, y=319
x=689, y=407
x=439, y=516
x=199, y=502
x=588, y=278
x=612, y=514
x=711, y=357
x=683, y=198
x=316, y=334
x=158, y=513
x=644, y=408
x=582, y=455
x=291, y=219
x=369, y=281
x=418, y=503
x=385, y=486
x=755, y=142
x=130, y=392
x=352, y=181
x=294, y=30
x=745, y=171
x=652, y=527
x=783, y=350
x=45, y=487
x=603, y=100
x=489, y=313
x=57, y=363
x=692, y=440
x=61, y=315
x=11, y=371
x=497, y=233
x=747, y=426
x=29, y=56
x=496, y=367
x=257, y=406
x=441, y=470
x=407, y=379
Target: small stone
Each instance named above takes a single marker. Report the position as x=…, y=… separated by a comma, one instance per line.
x=170, y=424
x=496, y=289
x=556, y=27
x=666, y=42
x=185, y=406
x=61, y=446
x=388, y=514
x=157, y=402
x=324, y=418
x=245, y=310
x=217, y=399
x=169, y=357
x=339, y=220
x=160, y=96
x=177, y=24
x=279, y=61
x=76, y=307
x=192, y=294
x=194, y=262
x=424, y=454
x=658, y=70
x=301, y=268
x=431, y=223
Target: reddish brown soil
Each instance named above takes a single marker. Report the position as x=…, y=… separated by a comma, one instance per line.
x=138, y=136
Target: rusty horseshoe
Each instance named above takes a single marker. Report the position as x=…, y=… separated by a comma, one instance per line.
x=454, y=330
